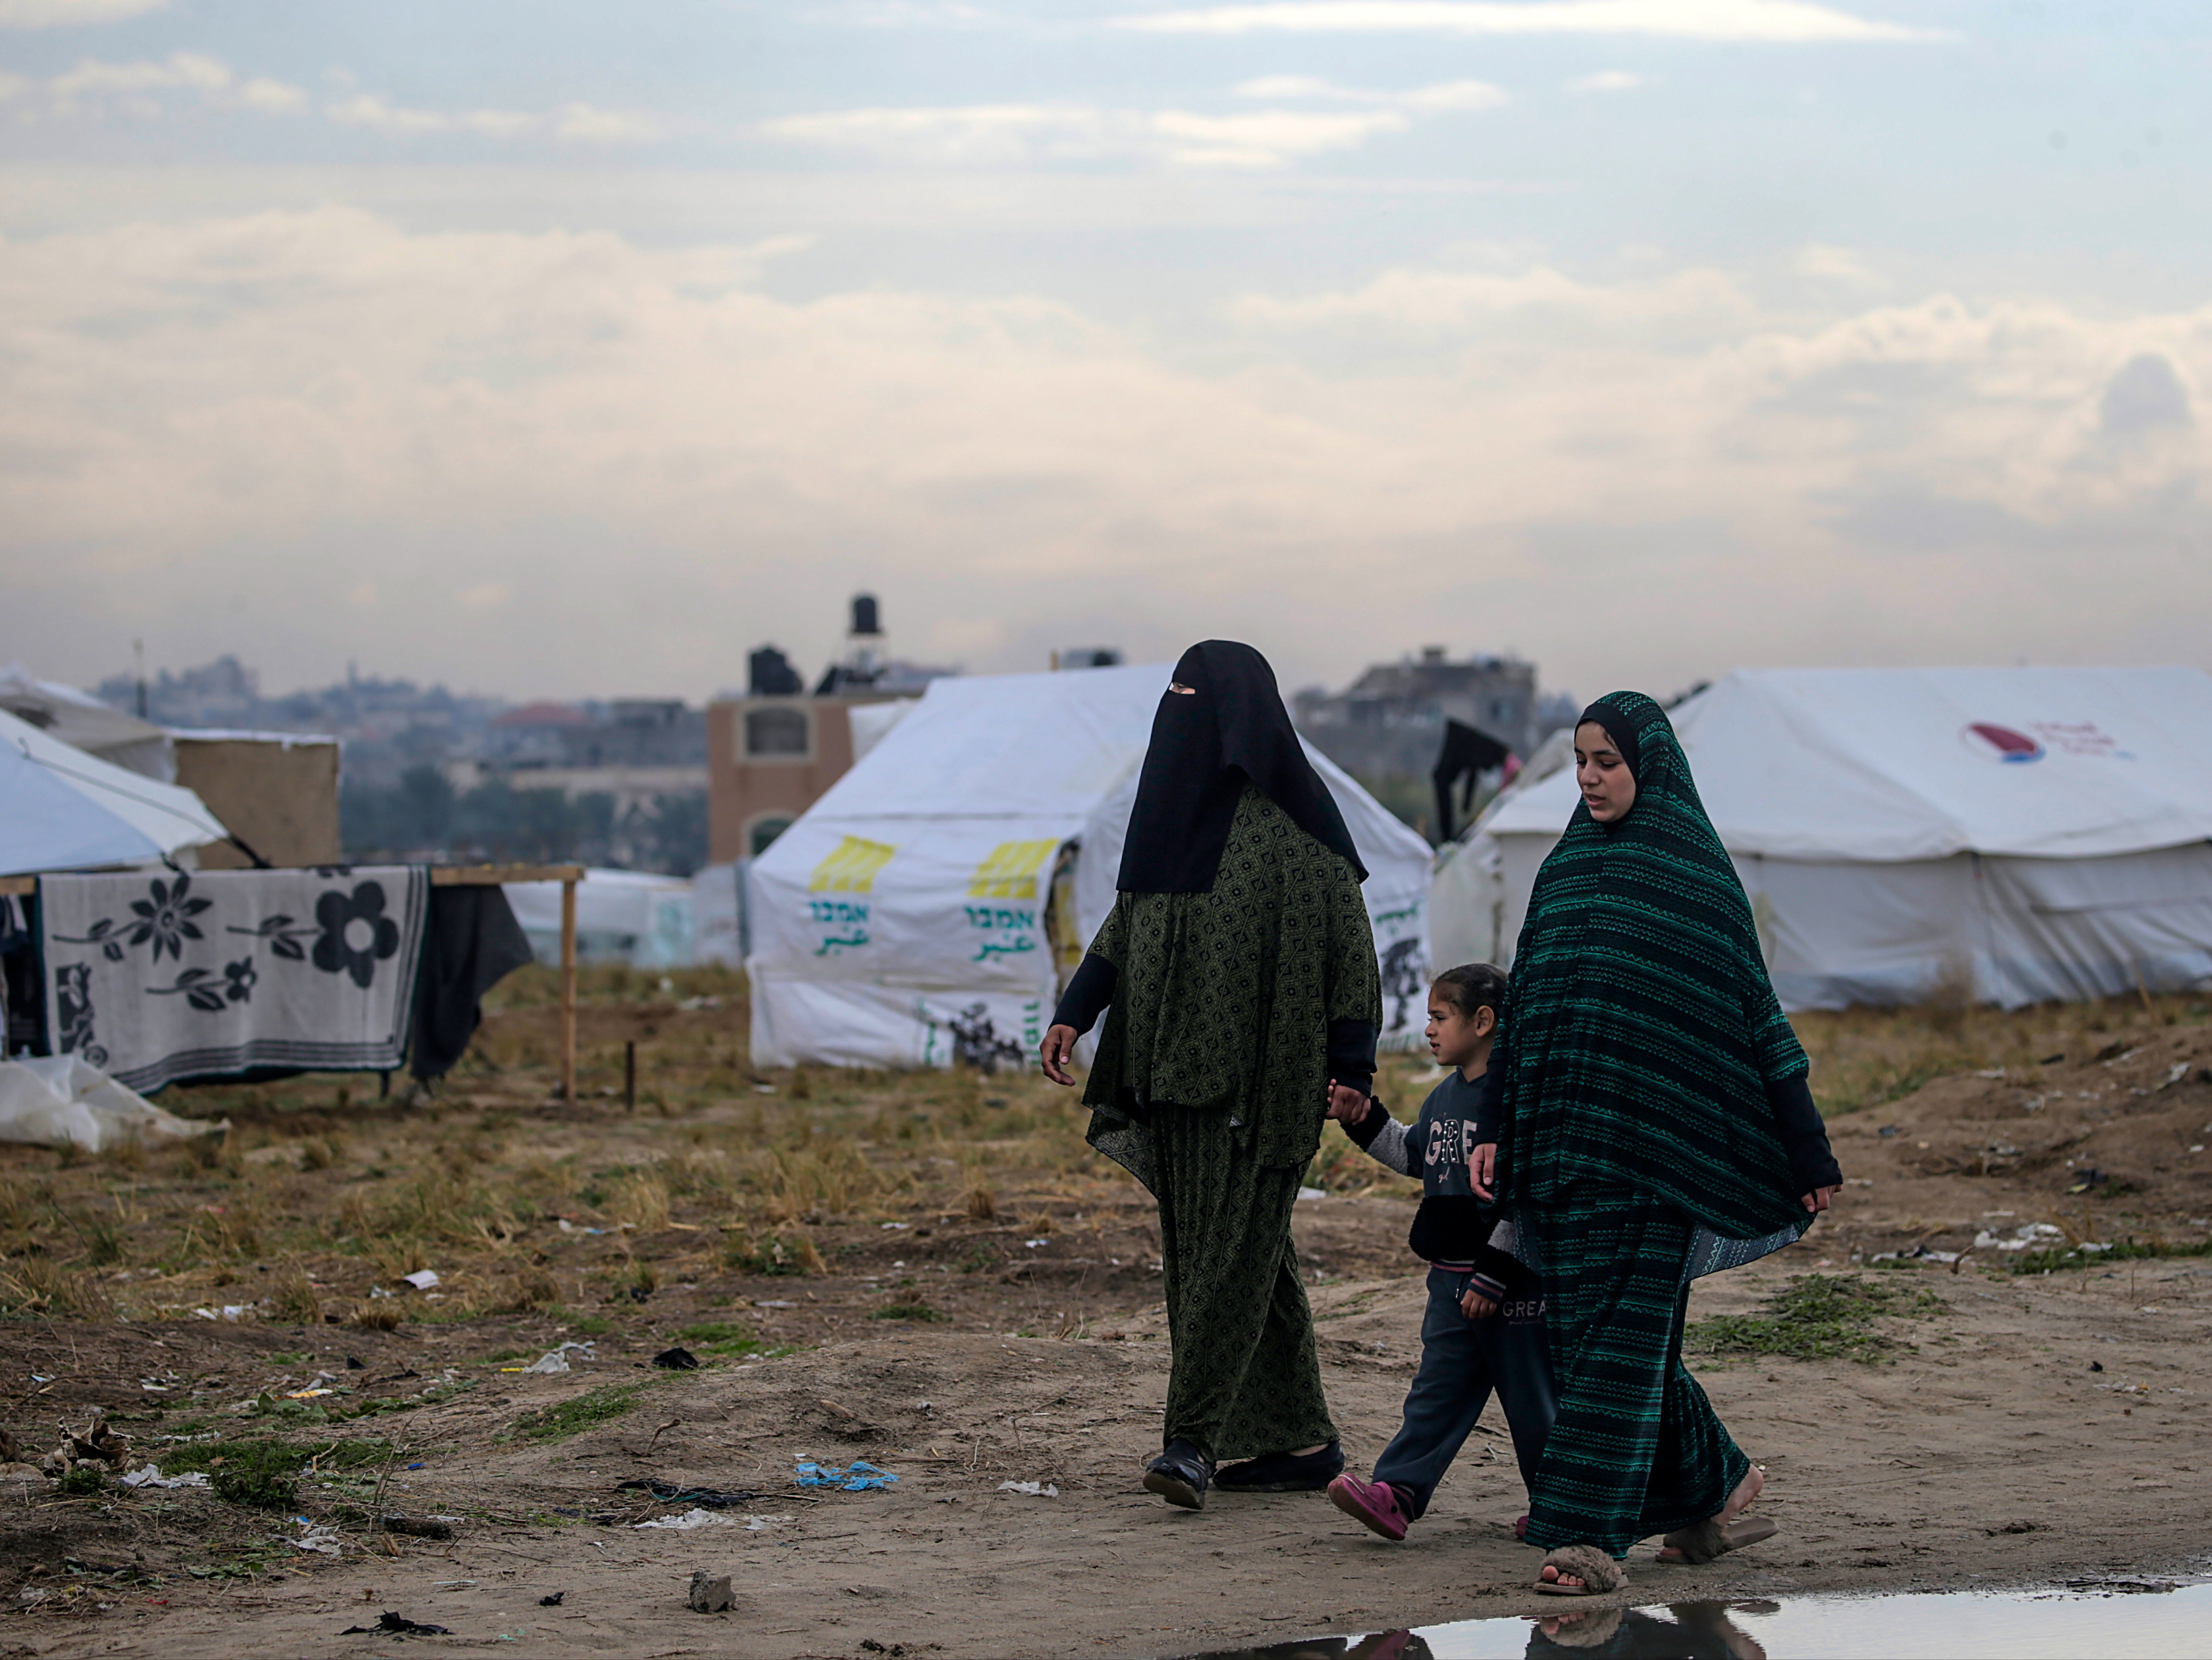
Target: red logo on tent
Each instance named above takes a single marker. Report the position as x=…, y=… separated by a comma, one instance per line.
x=2002, y=743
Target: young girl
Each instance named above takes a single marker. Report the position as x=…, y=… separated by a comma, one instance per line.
x=1483, y=1329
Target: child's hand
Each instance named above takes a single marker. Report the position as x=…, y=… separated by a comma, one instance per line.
x=1475, y=1306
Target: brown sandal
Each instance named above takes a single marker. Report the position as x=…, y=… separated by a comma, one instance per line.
x=1712, y=1537
x=1598, y=1573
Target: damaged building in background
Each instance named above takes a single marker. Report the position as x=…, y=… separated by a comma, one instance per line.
x=1387, y=729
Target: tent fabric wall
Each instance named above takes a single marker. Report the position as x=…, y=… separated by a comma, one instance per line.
x=62, y=809
x=1890, y=845
x=629, y=916
x=907, y=919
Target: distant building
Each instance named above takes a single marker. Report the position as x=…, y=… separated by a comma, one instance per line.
x=1389, y=723
x=772, y=752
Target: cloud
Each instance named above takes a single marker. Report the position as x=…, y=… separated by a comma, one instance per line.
x=379, y=115
x=1826, y=263
x=1779, y=21
x=133, y=86
x=576, y=123
x=1005, y=134
x=68, y=14
x=1428, y=300
x=219, y=430
x=1609, y=80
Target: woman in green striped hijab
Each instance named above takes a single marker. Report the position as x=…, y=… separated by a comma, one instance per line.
x=1649, y=1122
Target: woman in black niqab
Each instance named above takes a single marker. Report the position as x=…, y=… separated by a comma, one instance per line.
x=1229, y=729
x=1239, y=963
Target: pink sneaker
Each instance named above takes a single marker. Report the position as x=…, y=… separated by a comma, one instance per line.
x=1369, y=1502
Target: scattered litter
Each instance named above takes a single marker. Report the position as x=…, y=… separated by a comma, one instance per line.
x=859, y=1476
x=566, y=1226
x=1918, y=1253
x=678, y=1359
x=553, y=1362
x=419, y=1527
x=889, y=1226
x=1035, y=1489
x=552, y=1601
x=709, y=1593
x=763, y=1523
x=2086, y=1178
x=308, y=1394
x=764, y=1089
x=233, y=1311
x=319, y=1537
x=151, y=1477
x=1887, y=1131
x=1313, y=1193
x=2025, y=1239
x=422, y=1279
x=397, y=1624
x=2177, y=1072
x=669, y=1493
x=773, y=1302
x=690, y=1519
x=418, y=1466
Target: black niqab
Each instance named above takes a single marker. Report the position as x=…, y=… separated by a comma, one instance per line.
x=1230, y=728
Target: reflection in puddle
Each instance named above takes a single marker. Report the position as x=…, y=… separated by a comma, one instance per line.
x=2087, y=1617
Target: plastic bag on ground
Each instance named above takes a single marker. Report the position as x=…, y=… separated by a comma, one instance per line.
x=64, y=1100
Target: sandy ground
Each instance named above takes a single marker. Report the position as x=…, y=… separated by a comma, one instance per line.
x=1992, y=1453
x=2026, y=1429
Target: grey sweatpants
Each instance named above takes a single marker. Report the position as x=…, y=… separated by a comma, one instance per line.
x=1462, y=1361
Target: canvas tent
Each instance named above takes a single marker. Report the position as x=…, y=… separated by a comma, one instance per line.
x=927, y=907
x=62, y=809
x=636, y=917
x=2045, y=832
x=83, y=722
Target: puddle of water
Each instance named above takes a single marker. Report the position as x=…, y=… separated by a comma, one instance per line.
x=2122, y=1618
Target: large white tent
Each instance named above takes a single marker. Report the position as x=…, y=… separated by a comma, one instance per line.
x=2045, y=832
x=926, y=907
x=62, y=809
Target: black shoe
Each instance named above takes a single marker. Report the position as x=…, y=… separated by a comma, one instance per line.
x=1180, y=1475
x=1283, y=1472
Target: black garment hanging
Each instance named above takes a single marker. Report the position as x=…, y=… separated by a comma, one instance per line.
x=1230, y=728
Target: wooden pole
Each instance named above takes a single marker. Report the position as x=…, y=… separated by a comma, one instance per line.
x=569, y=989
x=629, y=1075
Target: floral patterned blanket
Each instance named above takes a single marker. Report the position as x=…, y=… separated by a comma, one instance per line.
x=152, y=979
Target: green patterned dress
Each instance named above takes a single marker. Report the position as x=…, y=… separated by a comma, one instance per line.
x=1210, y=1086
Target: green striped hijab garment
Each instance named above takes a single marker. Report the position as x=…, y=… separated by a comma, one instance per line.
x=1641, y=1030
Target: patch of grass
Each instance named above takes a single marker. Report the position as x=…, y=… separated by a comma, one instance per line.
x=288, y=1356
x=771, y=1254
x=720, y=1337
x=1818, y=1316
x=2079, y=1257
x=83, y=1481
x=907, y=1311
x=573, y=1417
x=592, y=1325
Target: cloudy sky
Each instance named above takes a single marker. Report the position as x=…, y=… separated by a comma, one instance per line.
x=550, y=347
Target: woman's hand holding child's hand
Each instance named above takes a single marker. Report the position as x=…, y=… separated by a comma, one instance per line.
x=1475, y=1306
x=1345, y=1104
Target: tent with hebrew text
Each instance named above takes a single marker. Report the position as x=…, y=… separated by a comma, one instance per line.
x=930, y=906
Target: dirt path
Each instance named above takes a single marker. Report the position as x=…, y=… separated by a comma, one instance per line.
x=1990, y=1453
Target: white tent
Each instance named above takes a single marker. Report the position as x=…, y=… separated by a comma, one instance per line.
x=83, y=722
x=2042, y=830
x=637, y=917
x=930, y=903
x=61, y=809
